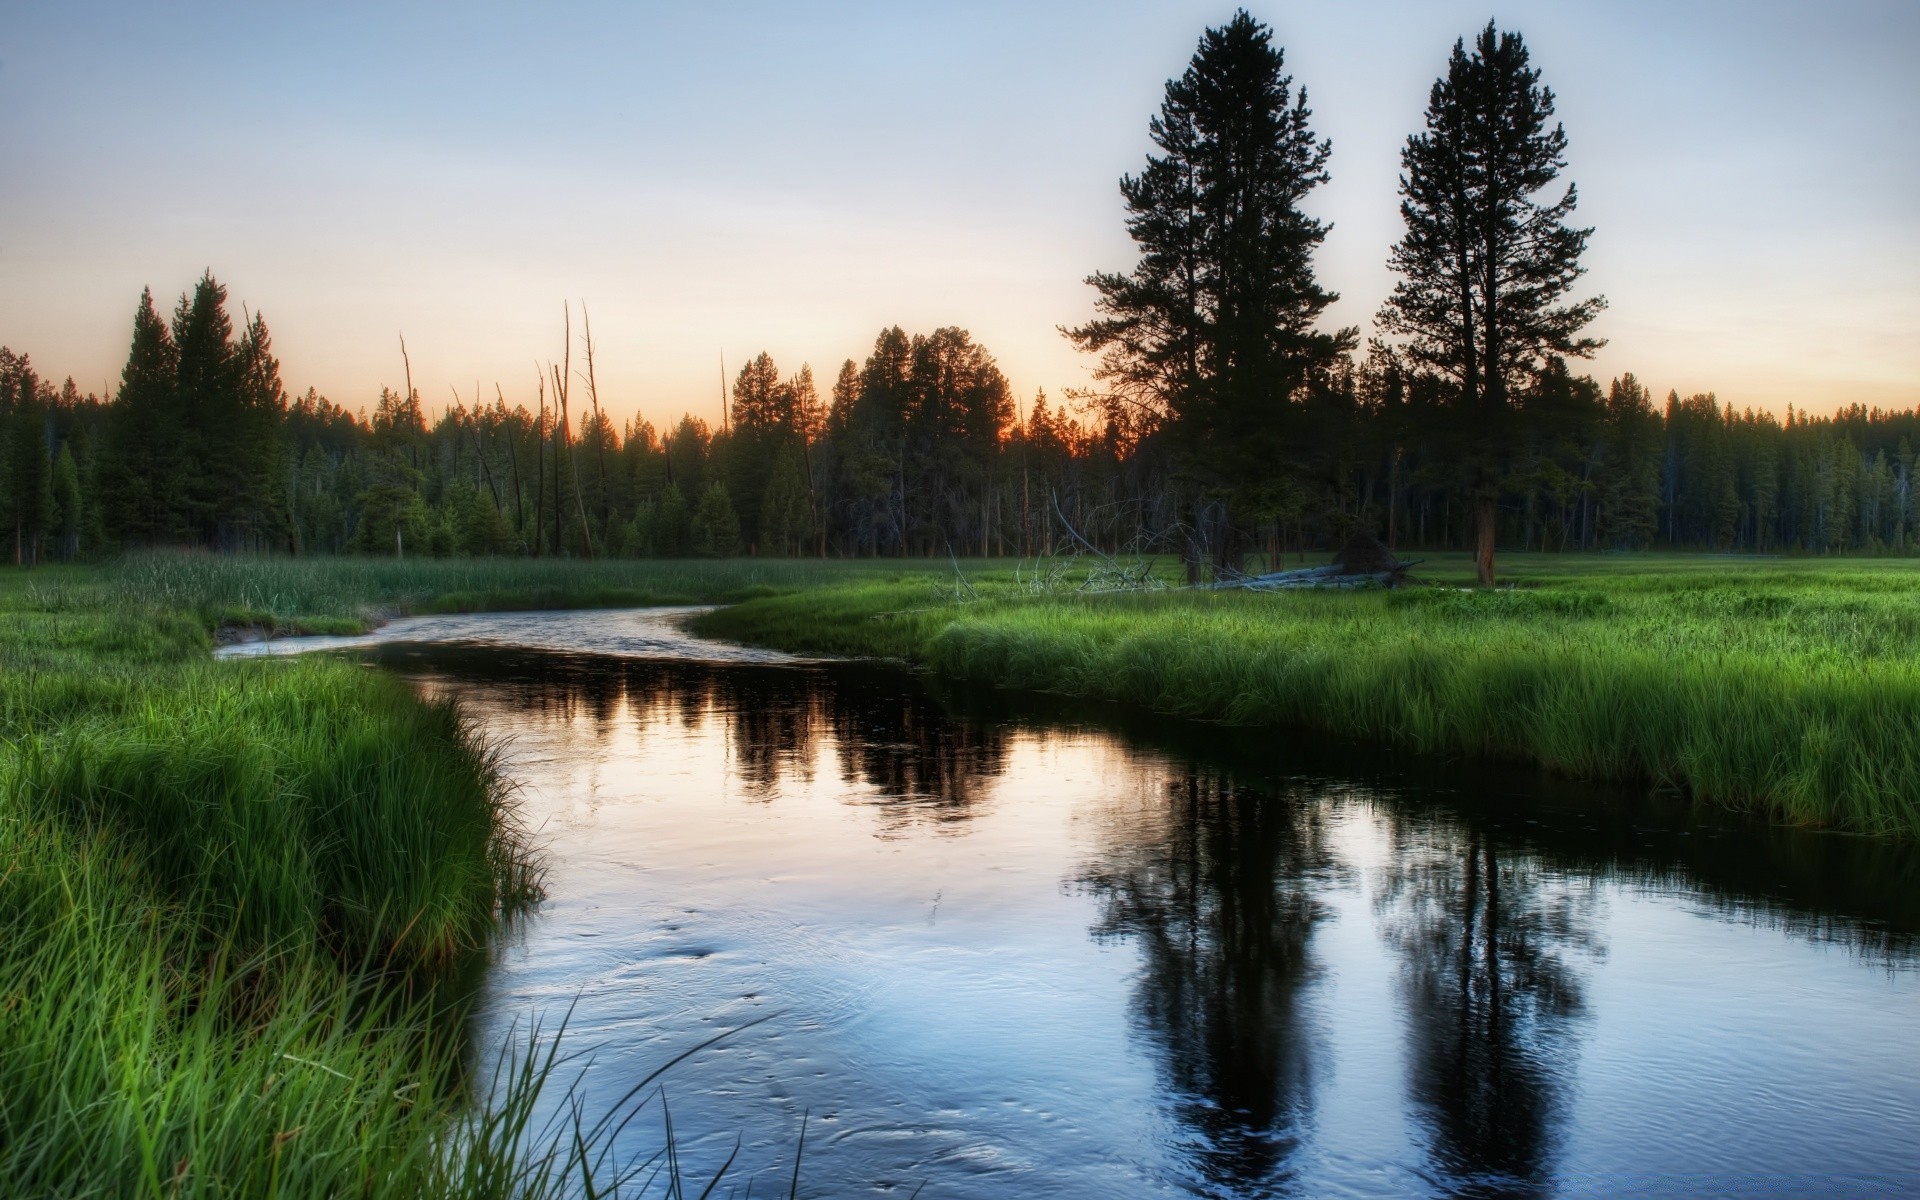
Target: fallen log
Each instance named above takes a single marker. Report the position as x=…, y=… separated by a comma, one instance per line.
x=1330, y=576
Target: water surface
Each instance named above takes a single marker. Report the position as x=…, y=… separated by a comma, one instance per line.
x=1020, y=948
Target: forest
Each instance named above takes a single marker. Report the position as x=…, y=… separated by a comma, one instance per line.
x=1226, y=421
x=920, y=450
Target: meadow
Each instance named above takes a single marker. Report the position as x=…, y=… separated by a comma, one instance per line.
x=242, y=902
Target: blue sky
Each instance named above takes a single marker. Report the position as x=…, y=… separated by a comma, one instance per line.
x=734, y=177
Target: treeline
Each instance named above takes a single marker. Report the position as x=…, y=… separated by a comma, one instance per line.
x=1227, y=418
x=919, y=450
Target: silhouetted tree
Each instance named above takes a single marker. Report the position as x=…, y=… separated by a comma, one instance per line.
x=1213, y=335
x=139, y=476
x=1485, y=266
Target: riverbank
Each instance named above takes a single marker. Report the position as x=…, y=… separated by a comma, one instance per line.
x=243, y=904
x=1787, y=687
x=241, y=908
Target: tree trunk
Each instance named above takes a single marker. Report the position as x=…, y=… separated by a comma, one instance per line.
x=1393, y=498
x=1486, y=519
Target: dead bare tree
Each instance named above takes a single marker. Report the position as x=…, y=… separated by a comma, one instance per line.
x=600, y=424
x=1058, y=572
x=473, y=433
x=540, y=463
x=513, y=463
x=562, y=378
x=399, y=550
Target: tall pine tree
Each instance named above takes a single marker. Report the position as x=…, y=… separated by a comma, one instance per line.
x=1213, y=335
x=142, y=453
x=1485, y=266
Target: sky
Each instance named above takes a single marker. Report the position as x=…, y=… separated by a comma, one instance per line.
x=716, y=179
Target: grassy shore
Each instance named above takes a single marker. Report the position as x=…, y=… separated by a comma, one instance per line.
x=1789, y=687
x=243, y=904
x=241, y=909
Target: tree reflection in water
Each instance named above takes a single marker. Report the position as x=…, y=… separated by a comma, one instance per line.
x=919, y=762
x=1492, y=947
x=1216, y=886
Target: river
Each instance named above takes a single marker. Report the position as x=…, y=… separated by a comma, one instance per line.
x=1005, y=947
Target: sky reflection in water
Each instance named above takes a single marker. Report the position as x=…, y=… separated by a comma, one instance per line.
x=1012, y=949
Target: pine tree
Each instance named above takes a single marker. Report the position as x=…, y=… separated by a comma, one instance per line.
x=143, y=443
x=716, y=530
x=206, y=400
x=1485, y=266
x=1212, y=336
x=27, y=508
x=68, y=518
x=254, y=457
x=1629, y=485
x=667, y=534
x=786, y=516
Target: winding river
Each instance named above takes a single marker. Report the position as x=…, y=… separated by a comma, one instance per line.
x=1004, y=947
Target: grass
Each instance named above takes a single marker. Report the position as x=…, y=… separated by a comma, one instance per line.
x=243, y=905
x=1787, y=687
x=346, y=595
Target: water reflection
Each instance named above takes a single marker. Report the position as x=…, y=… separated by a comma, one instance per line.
x=902, y=742
x=1311, y=969
x=1492, y=946
x=1217, y=885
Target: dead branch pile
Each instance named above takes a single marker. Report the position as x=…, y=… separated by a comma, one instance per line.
x=1362, y=562
x=1332, y=575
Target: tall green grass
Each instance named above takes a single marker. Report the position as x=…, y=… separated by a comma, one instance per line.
x=1790, y=688
x=241, y=906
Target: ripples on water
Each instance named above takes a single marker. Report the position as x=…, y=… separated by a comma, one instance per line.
x=1018, y=948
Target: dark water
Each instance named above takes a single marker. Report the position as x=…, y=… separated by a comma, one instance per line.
x=1013, y=948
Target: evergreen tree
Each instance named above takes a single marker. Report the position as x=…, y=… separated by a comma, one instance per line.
x=716, y=530
x=141, y=458
x=479, y=529
x=1629, y=490
x=206, y=402
x=27, y=507
x=252, y=449
x=1213, y=334
x=762, y=424
x=68, y=518
x=667, y=533
x=786, y=515
x=1485, y=266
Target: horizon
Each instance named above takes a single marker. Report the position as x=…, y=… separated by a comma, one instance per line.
x=757, y=215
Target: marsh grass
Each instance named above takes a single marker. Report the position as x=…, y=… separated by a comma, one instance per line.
x=242, y=907
x=1787, y=687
